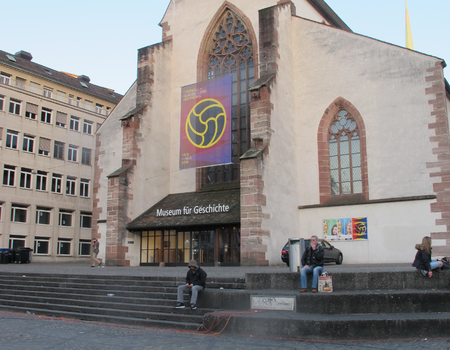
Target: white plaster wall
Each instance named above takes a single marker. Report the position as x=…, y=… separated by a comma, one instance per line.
x=386, y=84
x=393, y=230
x=280, y=186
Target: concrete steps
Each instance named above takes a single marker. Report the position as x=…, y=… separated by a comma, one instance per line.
x=363, y=306
x=145, y=301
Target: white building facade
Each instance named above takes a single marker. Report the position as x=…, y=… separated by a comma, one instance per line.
x=328, y=127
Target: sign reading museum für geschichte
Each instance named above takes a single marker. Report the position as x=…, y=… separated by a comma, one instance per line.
x=198, y=209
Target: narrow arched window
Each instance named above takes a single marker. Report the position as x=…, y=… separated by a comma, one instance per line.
x=345, y=155
x=230, y=51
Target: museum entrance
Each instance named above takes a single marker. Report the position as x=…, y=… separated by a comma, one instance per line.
x=210, y=246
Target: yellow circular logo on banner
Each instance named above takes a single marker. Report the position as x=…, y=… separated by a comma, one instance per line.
x=206, y=122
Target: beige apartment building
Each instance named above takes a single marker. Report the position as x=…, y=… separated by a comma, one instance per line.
x=47, y=147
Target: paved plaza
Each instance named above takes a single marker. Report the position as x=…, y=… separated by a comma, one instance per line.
x=31, y=332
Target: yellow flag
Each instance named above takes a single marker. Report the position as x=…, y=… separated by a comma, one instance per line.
x=409, y=41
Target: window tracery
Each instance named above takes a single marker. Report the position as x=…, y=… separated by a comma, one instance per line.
x=231, y=53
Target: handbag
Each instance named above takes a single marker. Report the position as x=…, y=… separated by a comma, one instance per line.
x=325, y=283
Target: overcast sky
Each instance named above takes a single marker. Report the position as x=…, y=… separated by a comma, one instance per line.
x=100, y=39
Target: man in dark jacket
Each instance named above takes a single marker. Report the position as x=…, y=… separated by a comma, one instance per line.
x=312, y=261
x=195, y=282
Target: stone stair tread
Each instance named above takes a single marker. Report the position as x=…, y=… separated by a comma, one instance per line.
x=106, y=318
x=296, y=316
x=81, y=310
x=117, y=302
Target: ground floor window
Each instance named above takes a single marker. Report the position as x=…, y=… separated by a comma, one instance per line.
x=208, y=246
x=41, y=245
x=84, y=247
x=16, y=242
x=64, y=246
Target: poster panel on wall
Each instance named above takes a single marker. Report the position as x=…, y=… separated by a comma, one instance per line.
x=345, y=229
x=360, y=231
x=205, y=130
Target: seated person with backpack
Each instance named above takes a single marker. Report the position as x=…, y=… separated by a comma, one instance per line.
x=195, y=282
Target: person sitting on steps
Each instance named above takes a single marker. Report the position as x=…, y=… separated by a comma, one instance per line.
x=312, y=261
x=195, y=282
x=422, y=261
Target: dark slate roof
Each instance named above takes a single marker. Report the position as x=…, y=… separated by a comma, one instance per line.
x=326, y=11
x=30, y=67
x=177, y=202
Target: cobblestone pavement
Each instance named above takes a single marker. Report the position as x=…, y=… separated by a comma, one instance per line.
x=22, y=331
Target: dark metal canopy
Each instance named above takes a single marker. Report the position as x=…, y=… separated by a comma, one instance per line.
x=191, y=209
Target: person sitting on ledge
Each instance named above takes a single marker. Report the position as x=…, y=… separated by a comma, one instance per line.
x=312, y=261
x=195, y=282
x=422, y=261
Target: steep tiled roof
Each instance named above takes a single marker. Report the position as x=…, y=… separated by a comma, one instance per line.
x=30, y=67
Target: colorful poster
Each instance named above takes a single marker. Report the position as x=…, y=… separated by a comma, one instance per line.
x=330, y=230
x=345, y=229
x=205, y=130
x=360, y=231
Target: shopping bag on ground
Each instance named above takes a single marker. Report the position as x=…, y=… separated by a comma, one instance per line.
x=325, y=283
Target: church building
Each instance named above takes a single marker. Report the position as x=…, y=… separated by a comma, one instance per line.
x=321, y=131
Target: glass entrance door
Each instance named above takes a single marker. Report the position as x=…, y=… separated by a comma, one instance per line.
x=203, y=244
x=206, y=246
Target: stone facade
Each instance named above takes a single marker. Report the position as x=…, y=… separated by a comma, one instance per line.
x=309, y=66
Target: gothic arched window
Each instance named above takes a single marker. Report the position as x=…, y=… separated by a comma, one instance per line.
x=230, y=52
x=345, y=155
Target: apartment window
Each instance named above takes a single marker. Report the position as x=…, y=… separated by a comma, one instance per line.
x=58, y=150
x=25, y=178
x=84, y=188
x=84, y=247
x=41, y=181
x=12, y=139
x=108, y=110
x=85, y=220
x=73, y=153
x=46, y=115
x=98, y=108
x=2, y=102
x=31, y=111
x=5, y=78
x=9, y=174
x=28, y=143
x=47, y=92
x=65, y=218
x=20, y=83
x=56, y=183
x=16, y=242
x=61, y=119
x=14, y=106
x=70, y=186
x=78, y=101
x=43, y=215
x=70, y=101
x=35, y=87
x=86, y=156
x=41, y=245
x=64, y=246
x=18, y=213
x=74, y=123
x=44, y=146
x=87, y=127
